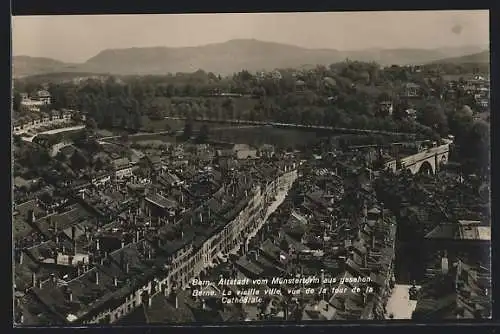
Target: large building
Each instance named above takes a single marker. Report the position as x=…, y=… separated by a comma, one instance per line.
x=35, y=101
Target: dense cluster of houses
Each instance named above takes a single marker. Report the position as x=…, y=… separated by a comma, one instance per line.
x=115, y=241
x=33, y=122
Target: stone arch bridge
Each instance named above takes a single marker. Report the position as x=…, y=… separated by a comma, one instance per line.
x=428, y=161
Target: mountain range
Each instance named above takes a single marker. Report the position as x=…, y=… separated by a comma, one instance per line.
x=232, y=56
x=480, y=58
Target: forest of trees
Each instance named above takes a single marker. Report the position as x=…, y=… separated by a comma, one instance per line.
x=346, y=94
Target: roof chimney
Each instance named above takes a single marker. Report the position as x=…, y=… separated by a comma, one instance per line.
x=444, y=264
x=127, y=267
x=21, y=256
x=459, y=268
x=69, y=295
x=115, y=281
x=98, y=244
x=33, y=279
x=96, y=277
x=73, y=232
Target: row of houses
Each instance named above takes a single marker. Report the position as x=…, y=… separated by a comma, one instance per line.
x=33, y=123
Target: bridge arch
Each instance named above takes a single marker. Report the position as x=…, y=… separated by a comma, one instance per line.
x=426, y=168
x=443, y=160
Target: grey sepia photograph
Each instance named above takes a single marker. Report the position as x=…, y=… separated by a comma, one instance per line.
x=252, y=167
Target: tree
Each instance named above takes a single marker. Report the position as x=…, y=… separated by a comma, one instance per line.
x=203, y=134
x=188, y=130
x=16, y=102
x=90, y=124
x=78, y=160
x=99, y=165
x=434, y=117
x=284, y=245
x=136, y=121
x=124, y=138
x=167, y=127
x=77, y=117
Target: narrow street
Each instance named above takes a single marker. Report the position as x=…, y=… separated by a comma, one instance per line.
x=399, y=303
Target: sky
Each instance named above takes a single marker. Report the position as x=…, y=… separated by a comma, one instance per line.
x=77, y=38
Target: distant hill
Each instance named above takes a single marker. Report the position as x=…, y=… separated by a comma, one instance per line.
x=226, y=58
x=26, y=66
x=477, y=58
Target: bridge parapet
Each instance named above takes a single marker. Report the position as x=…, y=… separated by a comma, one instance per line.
x=415, y=161
x=411, y=159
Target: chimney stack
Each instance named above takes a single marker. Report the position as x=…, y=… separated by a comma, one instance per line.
x=98, y=244
x=97, y=277
x=33, y=217
x=21, y=256
x=115, y=281
x=33, y=279
x=127, y=267
x=459, y=268
x=444, y=264
x=123, y=243
x=73, y=232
